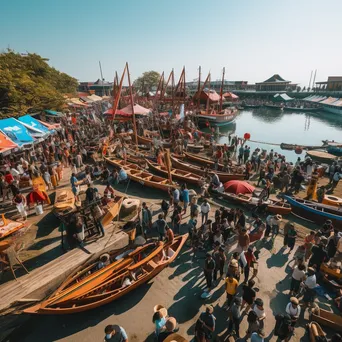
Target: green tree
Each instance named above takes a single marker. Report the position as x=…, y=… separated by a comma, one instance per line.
x=29, y=84
x=147, y=81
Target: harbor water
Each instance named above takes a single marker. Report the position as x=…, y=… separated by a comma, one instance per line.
x=271, y=127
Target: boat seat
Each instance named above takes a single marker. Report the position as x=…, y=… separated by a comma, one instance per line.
x=152, y=264
x=163, y=182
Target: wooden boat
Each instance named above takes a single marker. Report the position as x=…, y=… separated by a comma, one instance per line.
x=148, y=141
x=64, y=201
x=322, y=156
x=217, y=119
x=332, y=200
x=195, y=148
x=316, y=212
x=334, y=273
x=145, y=178
x=113, y=210
x=123, y=281
x=335, y=150
x=184, y=176
x=273, y=106
x=223, y=176
x=315, y=331
x=279, y=207
x=202, y=161
x=8, y=227
x=326, y=318
x=4, y=245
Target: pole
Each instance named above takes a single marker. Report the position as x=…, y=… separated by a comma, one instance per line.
x=199, y=87
x=180, y=82
x=172, y=87
x=208, y=93
x=116, y=99
x=166, y=85
x=168, y=165
x=310, y=80
x=132, y=104
x=314, y=79
x=103, y=89
x=221, y=92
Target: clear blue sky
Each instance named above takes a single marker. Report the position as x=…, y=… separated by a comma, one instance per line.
x=252, y=39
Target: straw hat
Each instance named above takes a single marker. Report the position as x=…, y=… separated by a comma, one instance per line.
x=294, y=300
x=161, y=309
x=175, y=338
x=209, y=308
x=278, y=217
x=171, y=324
x=234, y=263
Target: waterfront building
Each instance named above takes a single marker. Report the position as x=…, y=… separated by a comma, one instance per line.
x=334, y=83
x=275, y=83
x=100, y=88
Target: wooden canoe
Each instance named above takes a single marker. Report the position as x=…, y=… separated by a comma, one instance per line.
x=223, y=176
x=114, y=210
x=8, y=227
x=202, y=161
x=315, y=330
x=316, y=212
x=184, y=176
x=138, y=175
x=279, y=207
x=64, y=200
x=89, y=275
x=326, y=318
x=148, y=141
x=119, y=284
x=195, y=148
x=334, y=273
x=321, y=156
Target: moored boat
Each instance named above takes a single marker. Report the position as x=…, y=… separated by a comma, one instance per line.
x=217, y=119
x=181, y=175
x=321, y=156
x=141, y=176
x=120, y=283
x=113, y=210
x=316, y=332
x=64, y=201
x=300, y=109
x=326, y=318
x=223, y=176
x=315, y=212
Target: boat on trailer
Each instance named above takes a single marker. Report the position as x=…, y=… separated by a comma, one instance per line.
x=135, y=173
x=126, y=279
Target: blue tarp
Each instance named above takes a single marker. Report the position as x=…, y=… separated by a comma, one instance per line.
x=52, y=112
x=34, y=124
x=16, y=131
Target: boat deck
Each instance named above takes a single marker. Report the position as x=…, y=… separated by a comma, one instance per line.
x=41, y=281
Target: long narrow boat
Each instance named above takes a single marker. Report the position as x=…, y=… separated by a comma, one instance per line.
x=113, y=210
x=326, y=318
x=119, y=284
x=145, y=178
x=217, y=119
x=148, y=141
x=316, y=332
x=316, y=212
x=322, y=156
x=184, y=176
x=223, y=176
x=274, y=207
x=299, y=109
x=202, y=161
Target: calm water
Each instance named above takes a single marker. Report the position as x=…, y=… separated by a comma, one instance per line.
x=276, y=127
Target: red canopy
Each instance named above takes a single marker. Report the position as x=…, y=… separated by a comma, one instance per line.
x=230, y=95
x=118, y=112
x=238, y=187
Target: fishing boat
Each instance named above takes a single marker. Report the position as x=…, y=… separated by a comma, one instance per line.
x=148, y=141
x=64, y=201
x=332, y=200
x=126, y=278
x=334, y=148
x=326, y=318
x=316, y=332
x=321, y=156
x=217, y=119
x=8, y=227
x=274, y=207
x=315, y=212
x=331, y=272
x=302, y=109
x=223, y=176
x=202, y=161
x=195, y=148
x=135, y=173
x=113, y=210
x=181, y=175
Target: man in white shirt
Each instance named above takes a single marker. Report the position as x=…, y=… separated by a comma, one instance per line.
x=310, y=284
x=205, y=209
x=293, y=309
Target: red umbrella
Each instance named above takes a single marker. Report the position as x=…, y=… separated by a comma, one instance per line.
x=238, y=187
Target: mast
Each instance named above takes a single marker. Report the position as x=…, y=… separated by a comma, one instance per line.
x=221, y=91
x=310, y=79
x=172, y=88
x=180, y=82
x=314, y=79
x=132, y=104
x=116, y=98
x=103, y=89
x=199, y=87
x=208, y=93
x=166, y=85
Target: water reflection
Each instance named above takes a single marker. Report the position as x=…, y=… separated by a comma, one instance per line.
x=268, y=115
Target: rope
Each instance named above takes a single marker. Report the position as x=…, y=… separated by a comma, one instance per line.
x=263, y=142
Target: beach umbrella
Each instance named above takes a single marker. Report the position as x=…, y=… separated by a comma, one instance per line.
x=238, y=187
x=247, y=136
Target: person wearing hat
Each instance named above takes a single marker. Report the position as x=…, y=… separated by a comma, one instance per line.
x=208, y=270
x=220, y=260
x=258, y=308
x=170, y=326
x=234, y=267
x=293, y=309
x=235, y=317
x=205, y=325
x=258, y=336
x=298, y=275
x=327, y=228
x=272, y=220
x=159, y=320
x=231, y=288
x=115, y=333
x=309, y=286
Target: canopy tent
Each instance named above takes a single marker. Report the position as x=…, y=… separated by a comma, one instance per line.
x=94, y=98
x=329, y=100
x=16, y=131
x=6, y=144
x=29, y=122
x=117, y=112
x=75, y=101
x=203, y=96
x=230, y=96
x=139, y=110
x=282, y=98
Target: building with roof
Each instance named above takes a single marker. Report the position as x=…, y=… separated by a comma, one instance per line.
x=334, y=83
x=275, y=83
x=100, y=87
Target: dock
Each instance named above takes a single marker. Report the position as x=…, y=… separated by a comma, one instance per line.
x=42, y=281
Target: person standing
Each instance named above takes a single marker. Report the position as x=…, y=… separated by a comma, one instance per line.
x=205, y=325
x=319, y=255
x=336, y=178
x=248, y=295
x=293, y=309
x=292, y=234
x=205, y=209
x=258, y=308
x=258, y=336
x=20, y=202
x=176, y=196
x=298, y=275
x=309, y=287
x=231, y=288
x=176, y=219
x=115, y=333
x=243, y=239
x=250, y=258
x=235, y=317
x=161, y=227
x=169, y=234
x=186, y=198
x=146, y=218
x=220, y=260
x=208, y=270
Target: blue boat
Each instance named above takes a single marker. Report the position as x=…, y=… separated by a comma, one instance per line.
x=315, y=212
x=335, y=150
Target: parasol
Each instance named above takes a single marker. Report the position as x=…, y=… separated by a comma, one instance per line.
x=238, y=187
